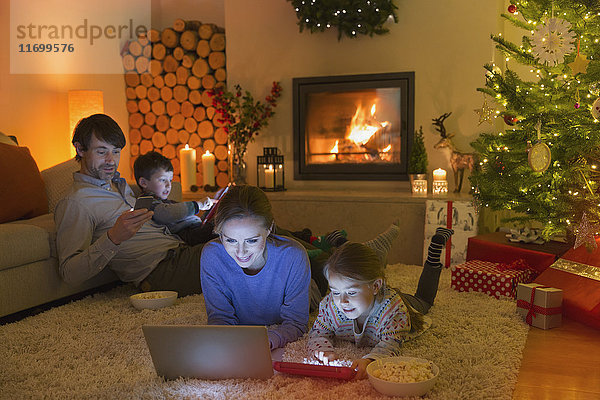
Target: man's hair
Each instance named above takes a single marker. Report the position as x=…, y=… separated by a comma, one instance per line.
x=243, y=201
x=100, y=125
x=147, y=164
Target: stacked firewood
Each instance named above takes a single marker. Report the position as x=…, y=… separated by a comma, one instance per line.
x=168, y=75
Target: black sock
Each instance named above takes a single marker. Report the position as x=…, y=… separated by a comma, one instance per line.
x=437, y=244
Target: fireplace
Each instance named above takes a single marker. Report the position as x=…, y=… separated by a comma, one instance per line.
x=353, y=127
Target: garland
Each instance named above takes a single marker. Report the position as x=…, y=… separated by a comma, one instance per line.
x=352, y=17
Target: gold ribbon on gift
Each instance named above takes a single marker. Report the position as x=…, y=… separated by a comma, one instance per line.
x=573, y=267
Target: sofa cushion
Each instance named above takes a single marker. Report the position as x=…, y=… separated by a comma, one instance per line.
x=22, y=191
x=23, y=244
x=58, y=180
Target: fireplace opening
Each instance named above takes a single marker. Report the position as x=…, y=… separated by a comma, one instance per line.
x=353, y=127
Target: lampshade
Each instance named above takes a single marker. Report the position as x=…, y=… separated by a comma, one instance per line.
x=83, y=103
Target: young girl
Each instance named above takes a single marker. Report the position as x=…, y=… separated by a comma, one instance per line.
x=362, y=308
x=251, y=276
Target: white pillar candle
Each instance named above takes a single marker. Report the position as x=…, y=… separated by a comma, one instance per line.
x=208, y=168
x=187, y=163
x=439, y=174
x=269, y=174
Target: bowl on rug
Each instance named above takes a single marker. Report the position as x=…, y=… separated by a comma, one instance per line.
x=153, y=300
x=402, y=376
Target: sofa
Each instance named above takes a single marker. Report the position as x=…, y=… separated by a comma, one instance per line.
x=28, y=260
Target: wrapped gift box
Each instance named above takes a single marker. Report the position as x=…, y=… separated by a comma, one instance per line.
x=496, y=247
x=457, y=215
x=487, y=277
x=577, y=273
x=541, y=306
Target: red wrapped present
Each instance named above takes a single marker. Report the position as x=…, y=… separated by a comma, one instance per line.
x=577, y=273
x=491, y=278
x=497, y=248
x=540, y=305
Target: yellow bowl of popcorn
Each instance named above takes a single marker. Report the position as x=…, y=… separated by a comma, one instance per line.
x=402, y=376
x=153, y=300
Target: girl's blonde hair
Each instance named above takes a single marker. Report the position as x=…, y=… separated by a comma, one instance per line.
x=241, y=202
x=355, y=261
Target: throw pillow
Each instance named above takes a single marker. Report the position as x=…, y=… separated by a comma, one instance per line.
x=22, y=191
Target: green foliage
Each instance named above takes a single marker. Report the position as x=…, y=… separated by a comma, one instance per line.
x=241, y=116
x=417, y=161
x=351, y=17
x=557, y=197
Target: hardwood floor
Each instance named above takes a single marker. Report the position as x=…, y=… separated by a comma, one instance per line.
x=560, y=363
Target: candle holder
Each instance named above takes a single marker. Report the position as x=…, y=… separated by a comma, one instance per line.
x=440, y=187
x=419, y=187
x=269, y=170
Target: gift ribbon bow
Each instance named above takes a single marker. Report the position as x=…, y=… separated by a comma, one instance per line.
x=533, y=309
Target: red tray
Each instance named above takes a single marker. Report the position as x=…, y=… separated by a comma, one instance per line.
x=321, y=371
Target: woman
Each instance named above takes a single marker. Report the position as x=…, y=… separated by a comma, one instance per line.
x=251, y=276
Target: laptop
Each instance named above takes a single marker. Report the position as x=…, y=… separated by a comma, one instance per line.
x=209, y=351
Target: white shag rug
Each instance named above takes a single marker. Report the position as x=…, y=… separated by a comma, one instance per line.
x=94, y=349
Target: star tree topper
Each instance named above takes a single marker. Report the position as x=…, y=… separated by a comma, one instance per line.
x=585, y=233
x=485, y=113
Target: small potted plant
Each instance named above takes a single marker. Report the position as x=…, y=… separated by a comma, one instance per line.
x=417, y=164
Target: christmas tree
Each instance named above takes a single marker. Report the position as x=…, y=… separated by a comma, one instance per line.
x=545, y=164
x=417, y=161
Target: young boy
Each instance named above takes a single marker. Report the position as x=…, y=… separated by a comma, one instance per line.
x=153, y=174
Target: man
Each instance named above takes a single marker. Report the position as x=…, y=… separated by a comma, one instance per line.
x=97, y=226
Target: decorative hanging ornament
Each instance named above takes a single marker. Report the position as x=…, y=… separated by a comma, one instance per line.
x=539, y=154
x=552, y=40
x=584, y=234
x=596, y=109
x=485, y=112
x=580, y=64
x=594, y=88
x=510, y=119
x=512, y=9
x=577, y=99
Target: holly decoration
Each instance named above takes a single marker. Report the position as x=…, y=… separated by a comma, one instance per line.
x=351, y=17
x=512, y=9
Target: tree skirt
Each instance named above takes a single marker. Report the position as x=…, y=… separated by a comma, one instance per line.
x=94, y=349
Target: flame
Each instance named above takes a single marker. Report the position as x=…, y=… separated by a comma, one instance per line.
x=362, y=127
x=335, y=149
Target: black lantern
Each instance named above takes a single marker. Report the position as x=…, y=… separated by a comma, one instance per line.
x=269, y=170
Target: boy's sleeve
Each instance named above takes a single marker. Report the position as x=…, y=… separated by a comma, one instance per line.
x=168, y=213
x=319, y=338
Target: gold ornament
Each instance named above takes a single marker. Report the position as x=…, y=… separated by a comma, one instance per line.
x=539, y=157
x=584, y=233
x=579, y=65
x=485, y=113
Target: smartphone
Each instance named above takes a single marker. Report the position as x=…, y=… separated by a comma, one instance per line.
x=143, y=202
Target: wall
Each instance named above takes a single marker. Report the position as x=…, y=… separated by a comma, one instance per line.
x=446, y=43
x=35, y=109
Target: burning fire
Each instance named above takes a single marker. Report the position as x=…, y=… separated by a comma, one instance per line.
x=362, y=128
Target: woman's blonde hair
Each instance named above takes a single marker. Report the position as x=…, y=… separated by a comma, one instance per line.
x=241, y=202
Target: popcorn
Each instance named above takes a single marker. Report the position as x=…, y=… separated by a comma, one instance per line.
x=405, y=371
x=152, y=295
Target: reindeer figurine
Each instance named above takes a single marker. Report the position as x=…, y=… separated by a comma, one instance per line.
x=459, y=161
